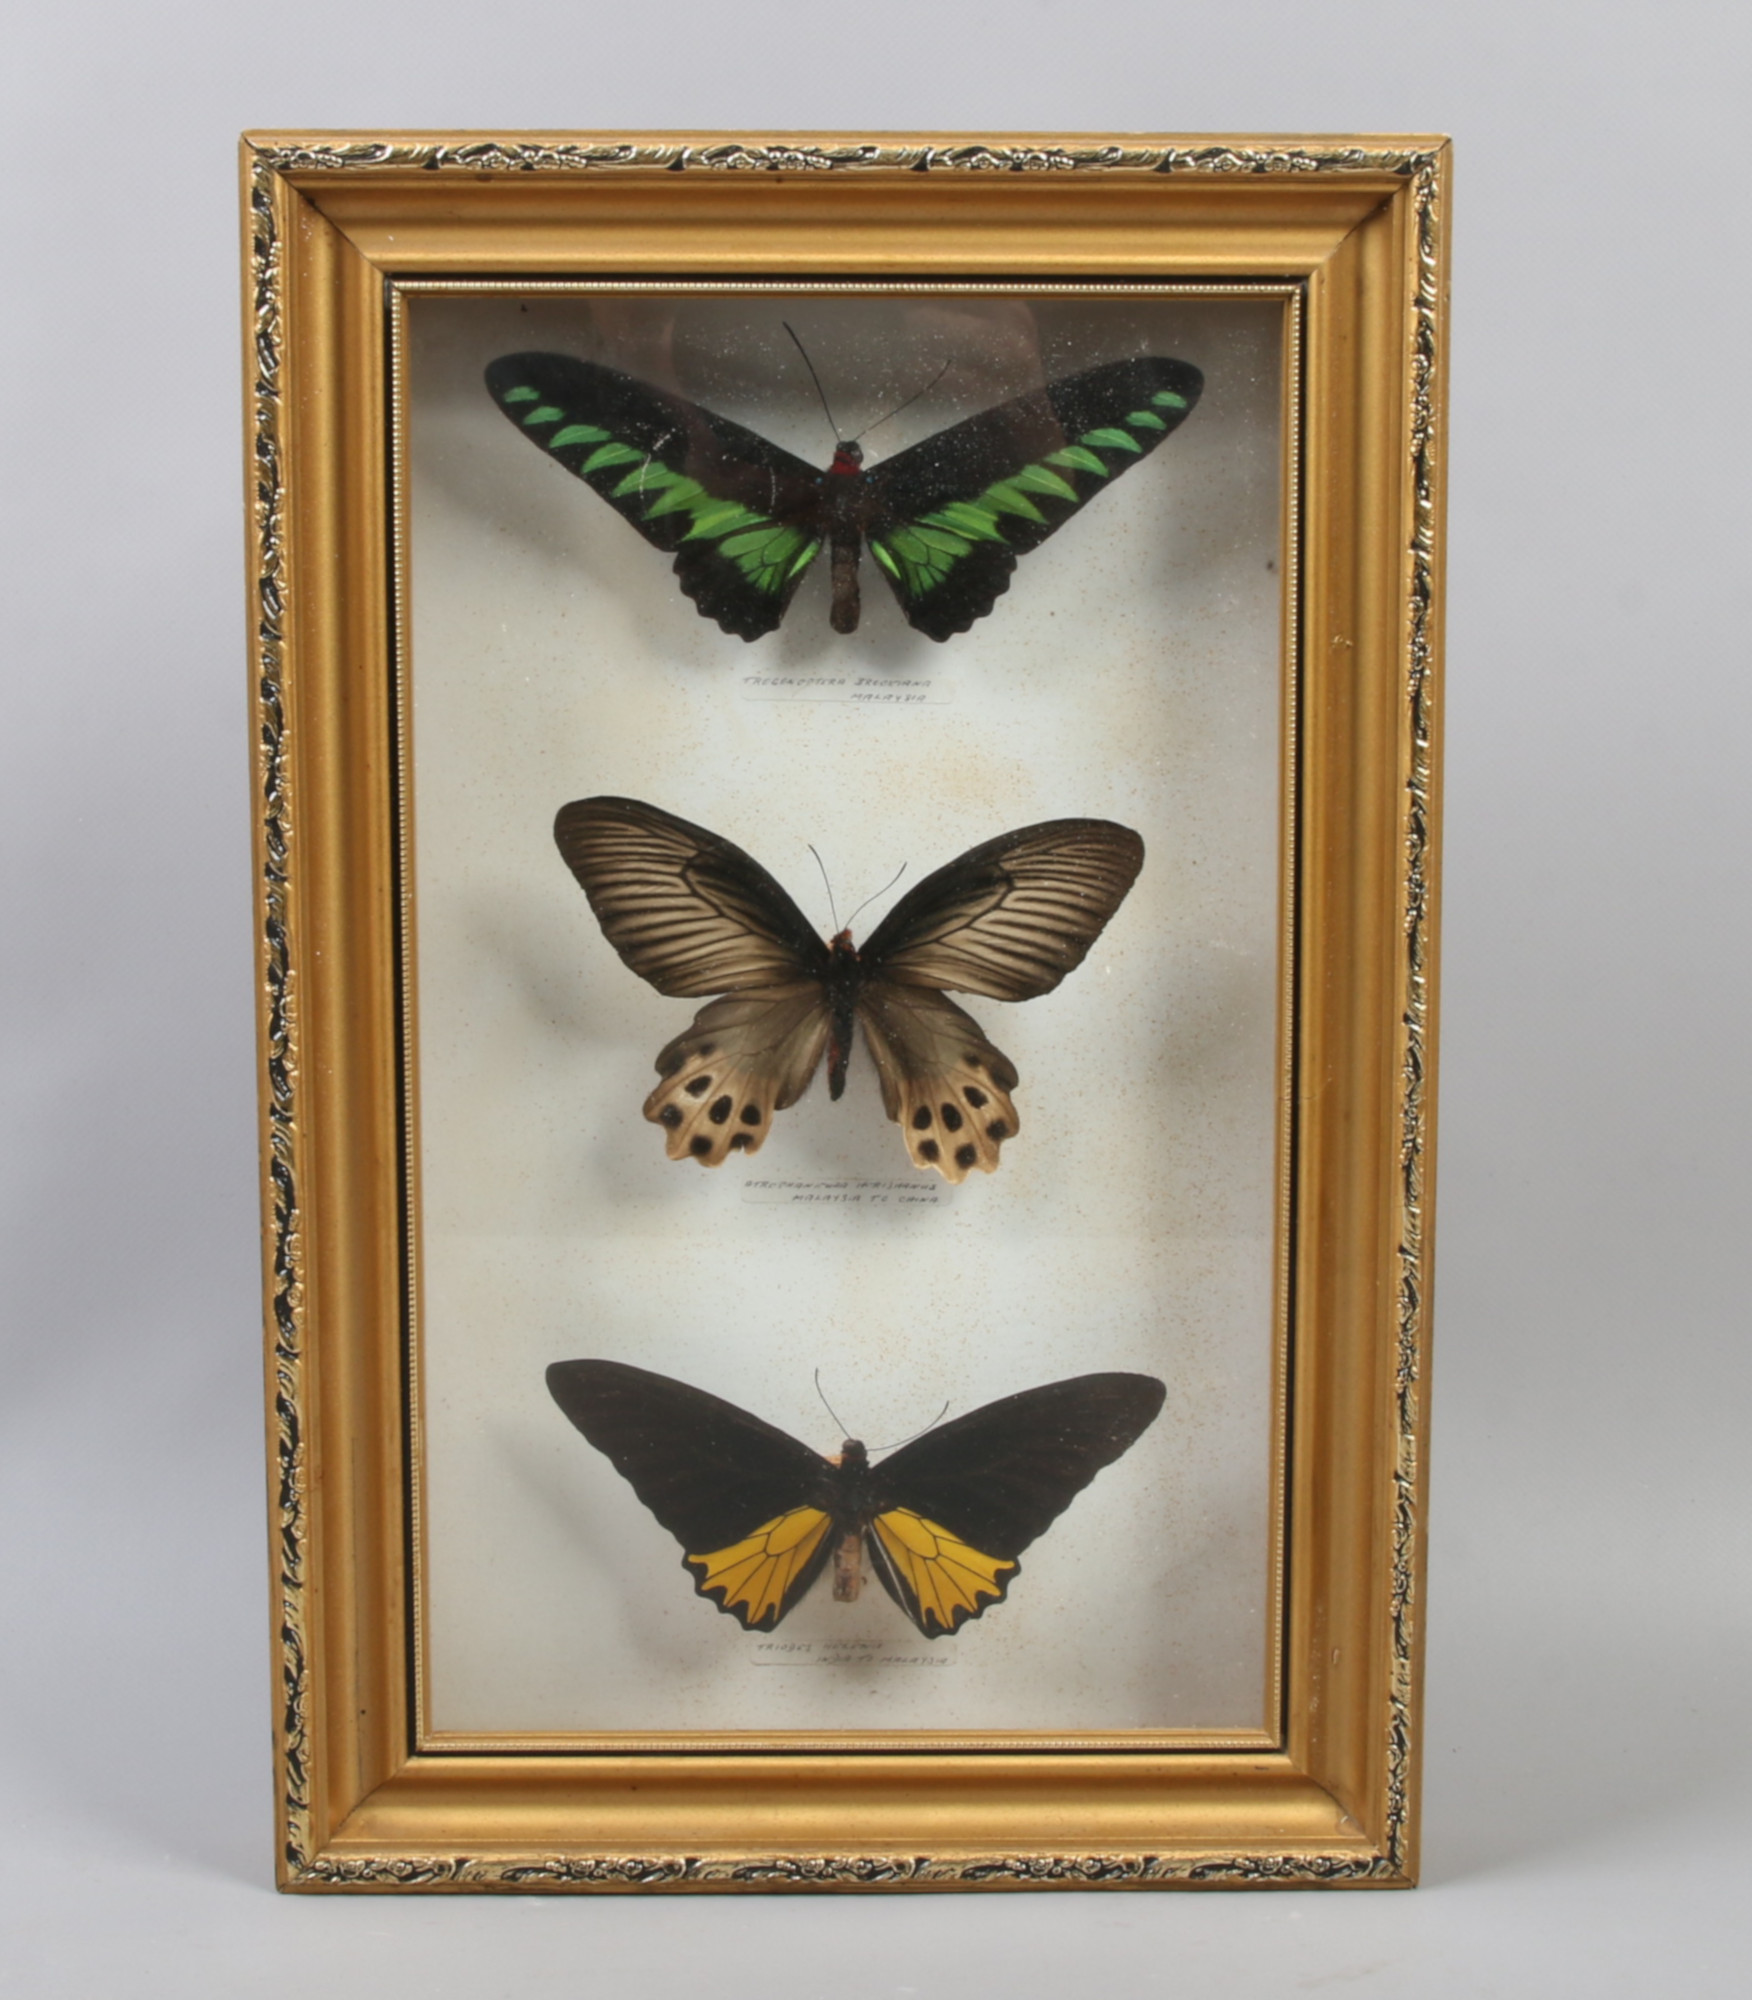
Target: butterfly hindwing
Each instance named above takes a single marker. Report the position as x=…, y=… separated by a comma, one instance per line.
x=742, y=1058
x=939, y=1580
x=943, y=1083
x=750, y=1506
x=740, y=514
x=760, y=1577
x=947, y=518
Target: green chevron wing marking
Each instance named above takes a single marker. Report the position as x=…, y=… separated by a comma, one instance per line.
x=1112, y=437
x=1079, y=458
x=770, y=556
x=606, y=456
x=1039, y=479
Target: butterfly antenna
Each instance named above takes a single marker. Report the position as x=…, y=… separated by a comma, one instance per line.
x=931, y=1426
x=868, y=900
x=828, y=886
x=816, y=379
x=907, y=405
x=828, y=1407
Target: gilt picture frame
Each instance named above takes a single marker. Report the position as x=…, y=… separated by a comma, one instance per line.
x=496, y=1670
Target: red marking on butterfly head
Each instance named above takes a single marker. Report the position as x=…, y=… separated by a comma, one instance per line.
x=841, y=945
x=847, y=459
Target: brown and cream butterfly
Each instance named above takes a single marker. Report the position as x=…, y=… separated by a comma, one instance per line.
x=692, y=913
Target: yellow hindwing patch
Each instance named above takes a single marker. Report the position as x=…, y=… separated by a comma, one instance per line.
x=950, y=1579
x=752, y=1578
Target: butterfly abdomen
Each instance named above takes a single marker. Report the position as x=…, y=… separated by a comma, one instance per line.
x=845, y=979
x=844, y=494
x=843, y=617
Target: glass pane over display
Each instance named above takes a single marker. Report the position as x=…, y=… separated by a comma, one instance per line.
x=577, y=596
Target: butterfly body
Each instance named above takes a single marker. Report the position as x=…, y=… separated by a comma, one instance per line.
x=846, y=534
x=944, y=520
x=695, y=915
x=843, y=984
x=943, y=1520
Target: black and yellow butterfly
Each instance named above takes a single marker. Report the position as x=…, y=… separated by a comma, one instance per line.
x=944, y=1518
x=945, y=519
x=692, y=913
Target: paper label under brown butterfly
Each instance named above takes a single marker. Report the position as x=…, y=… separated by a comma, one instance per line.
x=943, y=1520
x=692, y=913
x=830, y=1192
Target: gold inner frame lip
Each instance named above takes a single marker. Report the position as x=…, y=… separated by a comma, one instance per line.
x=426, y=1739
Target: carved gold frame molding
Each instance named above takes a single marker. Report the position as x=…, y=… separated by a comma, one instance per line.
x=333, y=222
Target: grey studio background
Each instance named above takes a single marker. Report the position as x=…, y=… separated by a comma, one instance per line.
x=1586, y=1800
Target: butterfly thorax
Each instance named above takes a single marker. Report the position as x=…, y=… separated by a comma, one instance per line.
x=844, y=978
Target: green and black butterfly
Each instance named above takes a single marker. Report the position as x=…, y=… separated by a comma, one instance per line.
x=943, y=1519
x=696, y=915
x=945, y=519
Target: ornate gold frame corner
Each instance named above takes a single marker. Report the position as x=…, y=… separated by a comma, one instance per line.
x=332, y=224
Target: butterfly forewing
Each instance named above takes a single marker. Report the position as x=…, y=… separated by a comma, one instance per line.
x=1012, y=916
x=749, y=1505
x=709, y=1471
x=687, y=909
x=1001, y=1475
x=740, y=514
x=947, y=518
